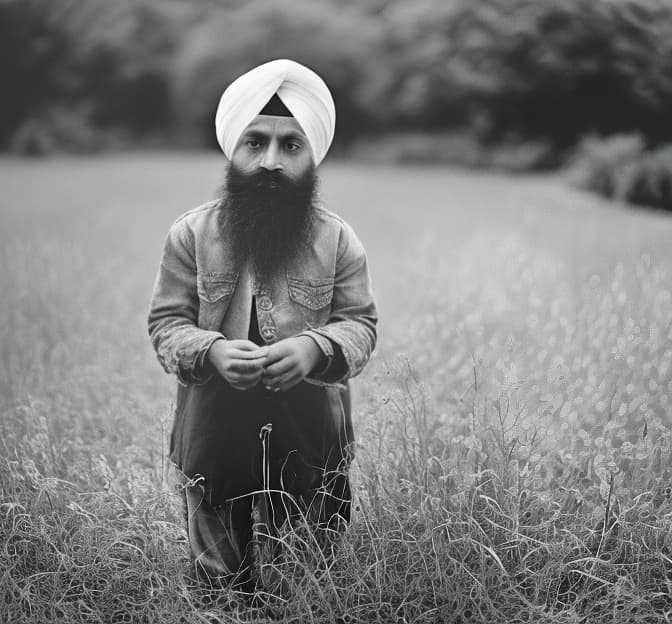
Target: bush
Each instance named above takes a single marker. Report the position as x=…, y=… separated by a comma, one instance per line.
x=420, y=147
x=651, y=182
x=56, y=129
x=619, y=167
x=457, y=148
x=602, y=164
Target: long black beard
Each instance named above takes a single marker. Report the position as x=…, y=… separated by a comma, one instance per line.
x=267, y=217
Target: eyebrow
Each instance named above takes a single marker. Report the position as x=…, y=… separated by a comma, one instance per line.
x=285, y=136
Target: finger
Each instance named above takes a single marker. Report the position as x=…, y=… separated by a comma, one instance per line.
x=243, y=344
x=280, y=367
x=278, y=380
x=277, y=352
x=243, y=381
x=249, y=383
x=247, y=375
x=289, y=382
x=246, y=367
x=241, y=354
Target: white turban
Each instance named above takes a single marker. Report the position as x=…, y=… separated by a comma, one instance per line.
x=301, y=90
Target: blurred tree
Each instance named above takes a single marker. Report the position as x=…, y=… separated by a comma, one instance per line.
x=536, y=68
x=231, y=41
x=586, y=66
x=90, y=72
x=34, y=49
x=82, y=67
x=126, y=49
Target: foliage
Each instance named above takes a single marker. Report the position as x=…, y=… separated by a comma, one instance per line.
x=457, y=148
x=621, y=168
x=542, y=71
x=652, y=180
x=233, y=41
x=513, y=466
x=81, y=69
x=602, y=165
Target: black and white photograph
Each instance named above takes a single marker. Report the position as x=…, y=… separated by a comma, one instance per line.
x=336, y=311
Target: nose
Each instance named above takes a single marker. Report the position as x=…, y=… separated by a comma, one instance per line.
x=271, y=159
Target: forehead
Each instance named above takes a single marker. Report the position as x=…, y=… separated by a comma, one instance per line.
x=272, y=124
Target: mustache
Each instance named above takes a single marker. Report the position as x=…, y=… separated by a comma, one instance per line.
x=264, y=181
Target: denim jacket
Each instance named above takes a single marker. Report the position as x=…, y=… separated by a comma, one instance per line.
x=200, y=296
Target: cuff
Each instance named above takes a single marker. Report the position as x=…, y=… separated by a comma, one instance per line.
x=203, y=371
x=335, y=369
x=326, y=347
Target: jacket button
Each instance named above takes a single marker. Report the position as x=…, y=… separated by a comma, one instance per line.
x=265, y=303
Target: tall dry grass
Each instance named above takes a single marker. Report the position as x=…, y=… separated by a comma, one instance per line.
x=513, y=459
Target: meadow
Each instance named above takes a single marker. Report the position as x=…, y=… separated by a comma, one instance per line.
x=514, y=425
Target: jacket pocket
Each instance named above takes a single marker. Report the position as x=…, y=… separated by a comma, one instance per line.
x=212, y=286
x=214, y=294
x=311, y=293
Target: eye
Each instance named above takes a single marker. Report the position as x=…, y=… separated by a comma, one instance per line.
x=292, y=146
x=253, y=144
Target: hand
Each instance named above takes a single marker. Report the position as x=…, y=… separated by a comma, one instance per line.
x=289, y=361
x=240, y=362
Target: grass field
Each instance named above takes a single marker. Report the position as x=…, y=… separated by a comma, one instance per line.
x=514, y=425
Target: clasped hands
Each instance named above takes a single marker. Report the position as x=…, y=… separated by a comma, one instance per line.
x=278, y=366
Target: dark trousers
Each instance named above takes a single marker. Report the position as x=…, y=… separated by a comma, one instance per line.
x=227, y=541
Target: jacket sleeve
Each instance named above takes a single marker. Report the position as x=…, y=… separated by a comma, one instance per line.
x=349, y=336
x=180, y=345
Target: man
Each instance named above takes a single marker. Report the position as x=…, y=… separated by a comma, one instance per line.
x=263, y=309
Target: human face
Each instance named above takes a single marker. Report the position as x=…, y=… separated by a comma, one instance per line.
x=275, y=144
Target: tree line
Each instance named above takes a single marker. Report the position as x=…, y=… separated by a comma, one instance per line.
x=91, y=74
